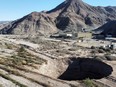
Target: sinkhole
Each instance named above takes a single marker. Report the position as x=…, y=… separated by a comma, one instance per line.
x=82, y=68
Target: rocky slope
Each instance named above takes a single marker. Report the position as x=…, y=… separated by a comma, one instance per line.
x=108, y=29
x=76, y=14
x=3, y=24
x=31, y=24
x=71, y=15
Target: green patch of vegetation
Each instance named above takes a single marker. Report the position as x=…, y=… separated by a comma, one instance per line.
x=15, y=60
x=21, y=49
x=9, y=46
x=89, y=83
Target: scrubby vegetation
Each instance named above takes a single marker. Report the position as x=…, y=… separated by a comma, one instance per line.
x=106, y=53
x=14, y=81
x=22, y=58
x=17, y=73
x=89, y=83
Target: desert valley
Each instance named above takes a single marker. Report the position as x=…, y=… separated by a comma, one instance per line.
x=72, y=45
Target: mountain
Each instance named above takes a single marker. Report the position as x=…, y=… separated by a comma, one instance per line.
x=107, y=29
x=75, y=13
x=71, y=15
x=3, y=24
x=33, y=23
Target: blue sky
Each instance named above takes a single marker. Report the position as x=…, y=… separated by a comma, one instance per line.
x=14, y=9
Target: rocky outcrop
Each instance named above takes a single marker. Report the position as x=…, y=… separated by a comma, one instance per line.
x=4, y=24
x=71, y=15
x=107, y=29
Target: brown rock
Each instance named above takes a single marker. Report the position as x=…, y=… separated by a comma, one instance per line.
x=69, y=15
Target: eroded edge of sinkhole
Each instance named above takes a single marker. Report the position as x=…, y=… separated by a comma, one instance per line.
x=82, y=68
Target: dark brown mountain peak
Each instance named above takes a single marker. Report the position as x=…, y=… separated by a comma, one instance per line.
x=74, y=5
x=71, y=15
x=74, y=1
x=34, y=13
x=68, y=5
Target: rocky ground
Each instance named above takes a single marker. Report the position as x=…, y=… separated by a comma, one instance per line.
x=3, y=24
x=40, y=62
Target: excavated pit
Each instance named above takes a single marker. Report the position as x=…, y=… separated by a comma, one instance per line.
x=82, y=68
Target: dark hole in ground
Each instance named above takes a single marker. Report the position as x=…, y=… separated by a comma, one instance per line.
x=82, y=68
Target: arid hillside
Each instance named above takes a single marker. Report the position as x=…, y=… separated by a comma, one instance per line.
x=71, y=15
x=3, y=24
x=46, y=62
x=107, y=29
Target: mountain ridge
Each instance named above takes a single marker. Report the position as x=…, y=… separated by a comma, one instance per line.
x=107, y=29
x=71, y=15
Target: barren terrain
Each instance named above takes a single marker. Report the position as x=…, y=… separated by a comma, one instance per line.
x=46, y=62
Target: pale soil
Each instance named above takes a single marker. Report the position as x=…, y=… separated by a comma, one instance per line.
x=21, y=80
x=107, y=82
x=89, y=43
x=23, y=43
x=48, y=72
x=24, y=81
x=7, y=83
